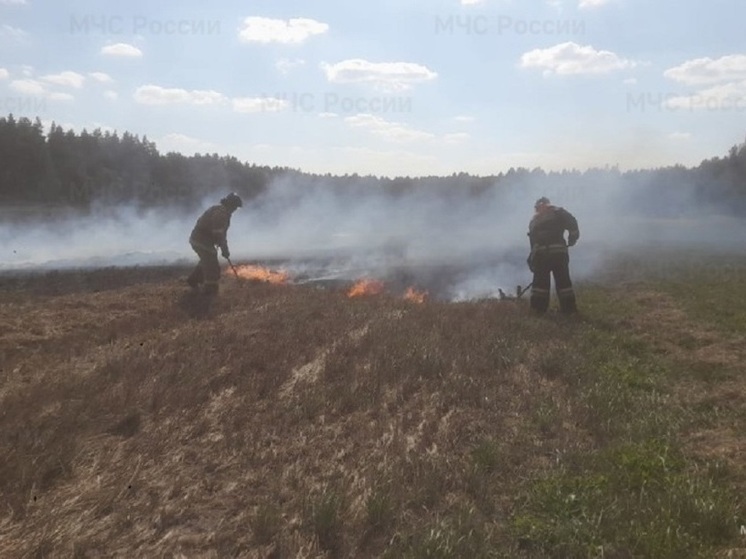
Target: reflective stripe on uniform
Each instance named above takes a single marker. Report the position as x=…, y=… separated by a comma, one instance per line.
x=566, y=291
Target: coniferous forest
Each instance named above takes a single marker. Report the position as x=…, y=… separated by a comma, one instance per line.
x=62, y=168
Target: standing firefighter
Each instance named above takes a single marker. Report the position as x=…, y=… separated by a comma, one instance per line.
x=210, y=232
x=549, y=255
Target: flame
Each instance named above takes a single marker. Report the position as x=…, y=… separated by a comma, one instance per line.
x=365, y=287
x=415, y=296
x=260, y=273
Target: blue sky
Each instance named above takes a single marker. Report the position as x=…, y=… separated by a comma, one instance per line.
x=408, y=87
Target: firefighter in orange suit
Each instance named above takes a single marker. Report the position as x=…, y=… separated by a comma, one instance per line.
x=209, y=234
x=549, y=255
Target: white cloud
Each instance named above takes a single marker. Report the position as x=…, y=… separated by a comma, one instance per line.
x=285, y=65
x=54, y=96
x=389, y=131
x=65, y=79
x=471, y=2
x=259, y=104
x=111, y=95
x=101, y=77
x=291, y=31
x=392, y=76
x=463, y=118
x=572, y=59
x=122, y=49
x=12, y=2
x=701, y=71
x=35, y=88
x=12, y=33
x=630, y=81
x=396, y=161
x=726, y=77
x=399, y=133
x=28, y=87
x=156, y=95
x=328, y=115
x=680, y=136
x=456, y=138
x=584, y=4
x=185, y=144
x=4, y=74
x=723, y=98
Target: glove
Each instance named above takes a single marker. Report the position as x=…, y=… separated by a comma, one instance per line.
x=572, y=239
x=530, y=262
x=225, y=253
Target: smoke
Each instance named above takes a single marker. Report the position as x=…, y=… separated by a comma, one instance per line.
x=461, y=244
x=117, y=237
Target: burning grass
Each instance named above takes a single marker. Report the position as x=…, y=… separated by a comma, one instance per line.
x=412, y=294
x=371, y=287
x=259, y=273
x=289, y=421
x=366, y=287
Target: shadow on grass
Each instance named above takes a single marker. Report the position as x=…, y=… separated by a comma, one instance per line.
x=196, y=305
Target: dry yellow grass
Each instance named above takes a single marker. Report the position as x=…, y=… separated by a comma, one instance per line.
x=286, y=421
x=131, y=427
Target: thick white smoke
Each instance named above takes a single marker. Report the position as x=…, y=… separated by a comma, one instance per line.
x=478, y=241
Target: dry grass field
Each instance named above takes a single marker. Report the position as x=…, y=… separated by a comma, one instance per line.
x=294, y=421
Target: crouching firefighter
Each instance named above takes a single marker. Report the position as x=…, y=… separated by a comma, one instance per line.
x=209, y=233
x=549, y=255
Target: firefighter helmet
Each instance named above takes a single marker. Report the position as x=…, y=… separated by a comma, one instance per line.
x=543, y=201
x=232, y=201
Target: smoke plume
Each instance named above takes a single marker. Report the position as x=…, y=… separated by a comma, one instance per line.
x=462, y=245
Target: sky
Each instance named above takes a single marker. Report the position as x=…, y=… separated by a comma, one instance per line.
x=389, y=88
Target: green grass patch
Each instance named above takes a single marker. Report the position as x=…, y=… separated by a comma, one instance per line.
x=717, y=301
x=635, y=493
x=707, y=284
x=634, y=500
x=326, y=514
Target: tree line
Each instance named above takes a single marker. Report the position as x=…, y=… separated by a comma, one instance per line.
x=78, y=170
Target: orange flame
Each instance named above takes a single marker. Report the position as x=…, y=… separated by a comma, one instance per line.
x=366, y=287
x=415, y=296
x=260, y=273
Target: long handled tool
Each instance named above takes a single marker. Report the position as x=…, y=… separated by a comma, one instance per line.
x=235, y=272
x=520, y=292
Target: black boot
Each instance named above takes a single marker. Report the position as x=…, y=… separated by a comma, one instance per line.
x=210, y=289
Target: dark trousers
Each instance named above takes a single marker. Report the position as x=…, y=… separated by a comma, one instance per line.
x=555, y=264
x=207, y=271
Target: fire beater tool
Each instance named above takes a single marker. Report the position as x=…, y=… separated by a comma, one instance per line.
x=235, y=272
x=519, y=292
